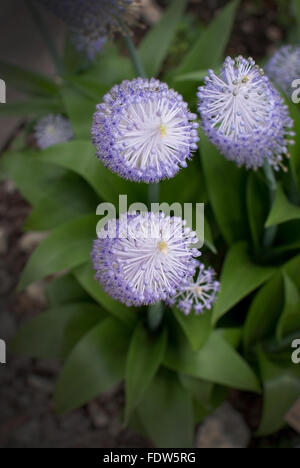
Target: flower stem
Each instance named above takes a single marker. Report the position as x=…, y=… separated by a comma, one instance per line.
x=270, y=233
x=43, y=30
x=155, y=315
x=136, y=62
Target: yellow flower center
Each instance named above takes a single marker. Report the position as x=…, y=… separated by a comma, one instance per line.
x=198, y=290
x=163, y=130
x=162, y=247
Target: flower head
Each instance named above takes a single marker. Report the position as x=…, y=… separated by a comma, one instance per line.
x=51, y=130
x=198, y=294
x=144, y=131
x=284, y=67
x=143, y=258
x=90, y=21
x=244, y=116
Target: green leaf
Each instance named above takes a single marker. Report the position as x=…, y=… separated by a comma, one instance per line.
x=282, y=210
x=264, y=312
x=196, y=327
x=292, y=268
x=80, y=110
x=296, y=8
x=216, y=362
x=66, y=247
x=257, y=207
x=193, y=76
x=226, y=188
x=166, y=412
x=295, y=149
x=290, y=318
x=65, y=289
x=34, y=107
x=85, y=276
x=281, y=390
x=80, y=156
x=54, y=333
x=160, y=37
x=240, y=277
x=145, y=355
x=27, y=81
x=66, y=198
x=208, y=50
x=20, y=167
x=95, y=365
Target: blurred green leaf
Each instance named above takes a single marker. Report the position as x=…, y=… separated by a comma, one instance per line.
x=216, y=362
x=80, y=156
x=295, y=149
x=193, y=76
x=27, y=81
x=166, y=412
x=282, y=210
x=257, y=206
x=240, y=276
x=208, y=51
x=145, y=355
x=80, y=110
x=54, y=333
x=264, y=312
x=85, y=276
x=62, y=201
x=67, y=246
x=292, y=268
x=226, y=188
x=32, y=107
x=155, y=45
x=96, y=364
x=281, y=389
x=64, y=290
x=197, y=328
x=21, y=167
x=296, y=8
x=290, y=318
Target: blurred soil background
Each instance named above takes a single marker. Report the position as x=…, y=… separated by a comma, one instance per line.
x=27, y=418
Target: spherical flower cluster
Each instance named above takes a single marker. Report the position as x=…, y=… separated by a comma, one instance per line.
x=52, y=129
x=198, y=294
x=244, y=116
x=90, y=21
x=144, y=131
x=144, y=258
x=284, y=67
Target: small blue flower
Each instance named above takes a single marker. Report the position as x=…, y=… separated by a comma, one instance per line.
x=198, y=294
x=244, y=115
x=51, y=130
x=144, y=258
x=144, y=131
x=90, y=21
x=284, y=67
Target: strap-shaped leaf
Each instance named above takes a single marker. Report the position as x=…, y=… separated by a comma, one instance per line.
x=290, y=319
x=96, y=364
x=196, y=327
x=146, y=352
x=281, y=389
x=34, y=107
x=155, y=46
x=85, y=275
x=54, y=333
x=27, y=81
x=282, y=210
x=79, y=156
x=257, y=206
x=66, y=247
x=65, y=290
x=216, y=362
x=166, y=412
x=226, y=188
x=240, y=276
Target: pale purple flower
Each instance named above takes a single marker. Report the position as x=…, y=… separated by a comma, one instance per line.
x=145, y=257
x=244, y=115
x=199, y=294
x=144, y=131
x=52, y=129
x=90, y=21
x=284, y=67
